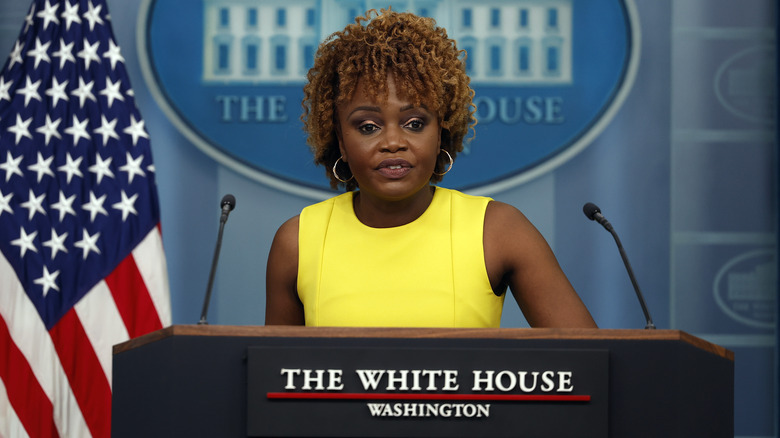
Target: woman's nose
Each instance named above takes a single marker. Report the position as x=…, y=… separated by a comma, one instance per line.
x=395, y=139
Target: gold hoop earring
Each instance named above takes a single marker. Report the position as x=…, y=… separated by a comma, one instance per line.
x=448, y=167
x=335, y=174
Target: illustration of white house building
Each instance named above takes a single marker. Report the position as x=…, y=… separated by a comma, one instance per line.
x=508, y=42
x=752, y=285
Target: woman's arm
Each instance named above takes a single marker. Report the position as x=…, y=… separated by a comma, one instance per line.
x=517, y=255
x=282, y=305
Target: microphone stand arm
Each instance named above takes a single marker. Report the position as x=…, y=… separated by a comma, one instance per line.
x=641, y=298
x=213, y=272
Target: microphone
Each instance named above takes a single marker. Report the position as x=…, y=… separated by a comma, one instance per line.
x=227, y=204
x=594, y=213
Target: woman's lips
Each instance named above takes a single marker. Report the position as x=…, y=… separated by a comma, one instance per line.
x=394, y=168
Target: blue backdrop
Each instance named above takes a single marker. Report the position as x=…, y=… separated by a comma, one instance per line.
x=686, y=171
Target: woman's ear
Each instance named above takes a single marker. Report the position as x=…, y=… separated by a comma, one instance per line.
x=342, y=151
x=444, y=125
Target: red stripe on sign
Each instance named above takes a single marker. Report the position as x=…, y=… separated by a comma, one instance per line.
x=132, y=299
x=85, y=374
x=32, y=406
x=406, y=396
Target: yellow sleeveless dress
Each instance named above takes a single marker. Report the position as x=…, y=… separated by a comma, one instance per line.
x=428, y=273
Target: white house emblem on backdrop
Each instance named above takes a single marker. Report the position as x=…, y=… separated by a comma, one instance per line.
x=744, y=288
x=545, y=83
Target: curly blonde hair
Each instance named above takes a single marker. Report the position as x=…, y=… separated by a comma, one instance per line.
x=428, y=68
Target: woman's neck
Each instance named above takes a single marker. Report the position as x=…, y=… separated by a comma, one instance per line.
x=383, y=213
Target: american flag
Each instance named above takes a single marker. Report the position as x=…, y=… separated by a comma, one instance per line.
x=81, y=260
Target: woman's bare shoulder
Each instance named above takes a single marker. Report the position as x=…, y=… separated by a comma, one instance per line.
x=289, y=228
x=282, y=303
x=517, y=252
x=502, y=220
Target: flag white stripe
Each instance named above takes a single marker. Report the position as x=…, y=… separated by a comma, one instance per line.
x=150, y=259
x=102, y=323
x=26, y=328
x=31, y=337
x=10, y=425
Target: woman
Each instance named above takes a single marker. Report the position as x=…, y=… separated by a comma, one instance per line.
x=386, y=108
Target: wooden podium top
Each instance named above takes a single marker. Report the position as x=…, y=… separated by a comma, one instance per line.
x=412, y=333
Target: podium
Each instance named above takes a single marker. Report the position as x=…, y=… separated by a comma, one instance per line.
x=239, y=381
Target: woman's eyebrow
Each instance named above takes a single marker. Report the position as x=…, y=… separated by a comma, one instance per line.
x=378, y=109
x=365, y=108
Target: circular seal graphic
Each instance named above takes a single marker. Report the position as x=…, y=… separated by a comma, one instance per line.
x=744, y=288
x=744, y=84
x=548, y=77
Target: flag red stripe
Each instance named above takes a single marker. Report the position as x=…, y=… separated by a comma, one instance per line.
x=32, y=406
x=132, y=299
x=87, y=380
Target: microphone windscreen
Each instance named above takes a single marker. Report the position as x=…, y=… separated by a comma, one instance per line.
x=228, y=200
x=590, y=209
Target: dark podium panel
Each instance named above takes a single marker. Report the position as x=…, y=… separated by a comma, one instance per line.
x=239, y=381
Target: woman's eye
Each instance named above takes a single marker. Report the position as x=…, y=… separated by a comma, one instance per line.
x=368, y=128
x=415, y=124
